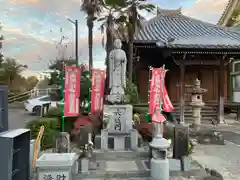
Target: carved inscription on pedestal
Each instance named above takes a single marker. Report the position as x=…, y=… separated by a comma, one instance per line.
x=119, y=120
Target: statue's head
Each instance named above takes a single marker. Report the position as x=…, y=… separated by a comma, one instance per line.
x=118, y=44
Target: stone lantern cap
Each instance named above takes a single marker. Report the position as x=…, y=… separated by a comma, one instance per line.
x=197, y=89
x=159, y=142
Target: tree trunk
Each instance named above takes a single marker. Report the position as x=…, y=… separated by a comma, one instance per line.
x=109, y=47
x=90, y=42
x=131, y=31
x=130, y=59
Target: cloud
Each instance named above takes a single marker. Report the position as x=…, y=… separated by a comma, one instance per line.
x=36, y=53
x=31, y=28
x=207, y=10
x=24, y=1
x=206, y=6
x=31, y=31
x=20, y=32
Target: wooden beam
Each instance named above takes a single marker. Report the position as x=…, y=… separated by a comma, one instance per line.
x=182, y=88
x=221, y=81
x=205, y=62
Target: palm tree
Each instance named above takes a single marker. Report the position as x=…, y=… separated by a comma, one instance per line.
x=92, y=8
x=109, y=26
x=132, y=21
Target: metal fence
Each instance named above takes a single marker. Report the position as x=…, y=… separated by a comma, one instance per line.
x=30, y=94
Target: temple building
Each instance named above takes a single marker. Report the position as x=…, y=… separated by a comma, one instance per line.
x=190, y=49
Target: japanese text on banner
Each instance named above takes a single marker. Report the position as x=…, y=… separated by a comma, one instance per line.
x=71, y=91
x=158, y=91
x=97, y=92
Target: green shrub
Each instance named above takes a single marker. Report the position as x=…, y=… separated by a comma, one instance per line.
x=68, y=123
x=57, y=113
x=51, y=128
x=54, y=112
x=141, y=105
x=131, y=92
x=140, y=110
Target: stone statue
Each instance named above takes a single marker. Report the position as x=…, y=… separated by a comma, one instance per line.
x=117, y=72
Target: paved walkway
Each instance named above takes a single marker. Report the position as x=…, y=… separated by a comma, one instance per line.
x=224, y=159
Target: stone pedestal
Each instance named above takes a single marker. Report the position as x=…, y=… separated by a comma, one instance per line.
x=196, y=113
x=84, y=165
x=56, y=166
x=121, y=118
x=119, y=127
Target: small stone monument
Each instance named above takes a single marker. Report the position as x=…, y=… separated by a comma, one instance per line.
x=197, y=102
x=83, y=141
x=82, y=138
x=62, y=143
x=119, y=115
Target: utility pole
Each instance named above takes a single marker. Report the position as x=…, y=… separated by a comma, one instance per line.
x=75, y=23
x=76, y=41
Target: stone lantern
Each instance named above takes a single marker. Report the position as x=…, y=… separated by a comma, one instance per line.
x=159, y=162
x=197, y=102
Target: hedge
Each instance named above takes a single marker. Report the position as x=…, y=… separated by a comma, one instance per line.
x=54, y=112
x=51, y=128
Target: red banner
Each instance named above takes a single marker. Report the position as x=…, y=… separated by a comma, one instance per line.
x=72, y=91
x=97, y=91
x=157, y=90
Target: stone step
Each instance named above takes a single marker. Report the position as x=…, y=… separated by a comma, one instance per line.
x=174, y=175
x=141, y=153
x=202, y=114
x=189, y=107
x=113, y=175
x=138, y=169
x=190, y=110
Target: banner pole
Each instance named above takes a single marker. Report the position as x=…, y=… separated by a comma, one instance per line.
x=89, y=93
x=147, y=116
x=162, y=88
x=89, y=100
x=62, y=93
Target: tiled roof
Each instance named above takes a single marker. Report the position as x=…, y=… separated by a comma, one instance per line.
x=236, y=28
x=172, y=29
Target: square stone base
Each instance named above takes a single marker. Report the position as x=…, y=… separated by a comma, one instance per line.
x=117, y=141
x=121, y=166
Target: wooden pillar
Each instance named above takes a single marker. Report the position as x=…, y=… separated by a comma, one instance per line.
x=182, y=86
x=221, y=82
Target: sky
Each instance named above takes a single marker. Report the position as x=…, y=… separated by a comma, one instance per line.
x=31, y=28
